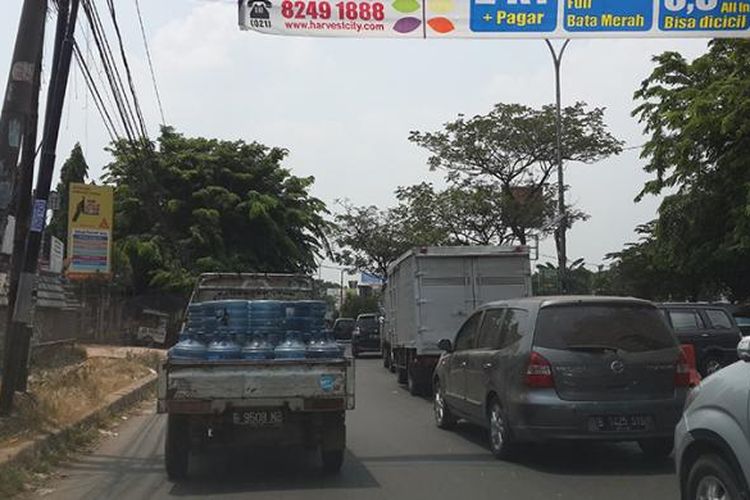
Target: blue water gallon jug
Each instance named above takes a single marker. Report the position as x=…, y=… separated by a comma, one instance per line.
x=258, y=348
x=329, y=348
x=188, y=348
x=223, y=348
x=291, y=348
x=265, y=313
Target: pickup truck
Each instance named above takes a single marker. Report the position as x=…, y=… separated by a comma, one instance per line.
x=254, y=403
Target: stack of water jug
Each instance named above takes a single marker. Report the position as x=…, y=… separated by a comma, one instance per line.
x=256, y=329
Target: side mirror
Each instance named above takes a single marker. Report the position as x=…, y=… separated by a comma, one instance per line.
x=445, y=345
x=743, y=349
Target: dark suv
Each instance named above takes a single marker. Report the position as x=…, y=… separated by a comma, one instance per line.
x=710, y=329
x=343, y=328
x=544, y=368
x=366, y=335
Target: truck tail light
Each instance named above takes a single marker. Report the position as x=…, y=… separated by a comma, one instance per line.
x=682, y=370
x=539, y=372
x=689, y=352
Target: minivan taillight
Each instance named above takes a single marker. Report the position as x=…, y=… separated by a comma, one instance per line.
x=539, y=372
x=682, y=371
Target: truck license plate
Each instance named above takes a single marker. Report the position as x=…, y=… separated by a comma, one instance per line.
x=258, y=418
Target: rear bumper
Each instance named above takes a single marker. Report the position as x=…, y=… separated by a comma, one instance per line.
x=543, y=416
x=369, y=344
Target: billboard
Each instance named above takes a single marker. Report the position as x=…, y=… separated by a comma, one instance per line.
x=90, y=217
x=498, y=18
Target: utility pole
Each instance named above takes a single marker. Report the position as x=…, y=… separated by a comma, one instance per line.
x=22, y=202
x=560, y=239
x=22, y=311
x=20, y=109
x=18, y=98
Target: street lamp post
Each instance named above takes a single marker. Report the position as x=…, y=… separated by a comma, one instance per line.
x=560, y=242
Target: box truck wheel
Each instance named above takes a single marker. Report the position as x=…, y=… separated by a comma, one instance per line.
x=402, y=375
x=332, y=460
x=177, y=447
x=415, y=385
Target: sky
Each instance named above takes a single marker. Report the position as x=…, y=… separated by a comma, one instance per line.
x=344, y=107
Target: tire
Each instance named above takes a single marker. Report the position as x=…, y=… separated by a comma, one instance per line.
x=712, y=471
x=444, y=419
x=415, y=388
x=332, y=460
x=500, y=436
x=657, y=448
x=177, y=447
x=402, y=375
x=710, y=365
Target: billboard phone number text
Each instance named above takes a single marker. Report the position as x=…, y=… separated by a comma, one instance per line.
x=350, y=11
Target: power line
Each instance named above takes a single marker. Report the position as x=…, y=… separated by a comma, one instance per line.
x=95, y=94
x=126, y=64
x=150, y=62
x=111, y=71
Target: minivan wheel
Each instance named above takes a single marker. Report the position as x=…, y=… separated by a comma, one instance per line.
x=500, y=436
x=656, y=448
x=444, y=419
x=711, y=478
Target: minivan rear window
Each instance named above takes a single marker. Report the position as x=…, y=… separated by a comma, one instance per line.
x=626, y=327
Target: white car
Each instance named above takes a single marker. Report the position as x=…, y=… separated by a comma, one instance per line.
x=712, y=440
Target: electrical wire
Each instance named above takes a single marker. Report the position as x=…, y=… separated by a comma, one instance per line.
x=128, y=73
x=109, y=67
x=150, y=62
x=95, y=93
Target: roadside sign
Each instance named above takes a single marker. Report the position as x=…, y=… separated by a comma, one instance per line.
x=90, y=212
x=498, y=18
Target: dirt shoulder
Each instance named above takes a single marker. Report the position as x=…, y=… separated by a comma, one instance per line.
x=71, y=383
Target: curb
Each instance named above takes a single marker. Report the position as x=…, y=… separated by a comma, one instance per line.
x=28, y=451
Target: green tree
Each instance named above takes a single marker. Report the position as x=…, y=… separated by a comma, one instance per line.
x=580, y=280
x=473, y=215
x=354, y=305
x=189, y=205
x=75, y=169
x=697, y=116
x=367, y=238
x=514, y=147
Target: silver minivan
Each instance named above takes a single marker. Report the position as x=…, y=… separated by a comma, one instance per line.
x=568, y=368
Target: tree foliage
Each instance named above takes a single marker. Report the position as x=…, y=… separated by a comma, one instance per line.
x=354, y=305
x=189, y=205
x=368, y=238
x=513, y=149
x=697, y=115
x=75, y=169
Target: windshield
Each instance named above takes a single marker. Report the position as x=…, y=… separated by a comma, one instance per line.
x=631, y=328
x=367, y=323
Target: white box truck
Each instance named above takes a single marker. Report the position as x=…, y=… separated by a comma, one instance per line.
x=430, y=291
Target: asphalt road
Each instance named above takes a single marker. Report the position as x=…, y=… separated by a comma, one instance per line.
x=394, y=452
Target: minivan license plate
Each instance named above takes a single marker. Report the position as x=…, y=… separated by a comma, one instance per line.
x=258, y=418
x=620, y=423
